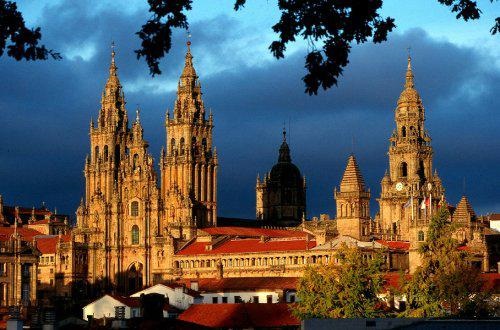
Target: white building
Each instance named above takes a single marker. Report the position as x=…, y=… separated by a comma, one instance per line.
x=177, y=295
x=105, y=307
x=245, y=289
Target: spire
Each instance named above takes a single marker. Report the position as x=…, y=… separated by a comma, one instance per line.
x=409, y=99
x=409, y=75
x=464, y=211
x=112, y=67
x=188, y=71
x=284, y=156
x=137, y=117
x=352, y=180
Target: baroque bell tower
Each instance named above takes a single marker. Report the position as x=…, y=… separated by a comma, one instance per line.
x=189, y=163
x=410, y=190
x=119, y=214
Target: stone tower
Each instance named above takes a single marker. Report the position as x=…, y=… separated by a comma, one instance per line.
x=410, y=190
x=464, y=218
x=120, y=211
x=189, y=163
x=281, y=195
x=353, y=203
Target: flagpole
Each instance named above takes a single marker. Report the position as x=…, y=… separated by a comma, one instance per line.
x=411, y=202
x=430, y=204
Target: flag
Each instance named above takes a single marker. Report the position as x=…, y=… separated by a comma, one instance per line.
x=408, y=203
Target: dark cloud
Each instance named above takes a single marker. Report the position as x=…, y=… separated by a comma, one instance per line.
x=45, y=108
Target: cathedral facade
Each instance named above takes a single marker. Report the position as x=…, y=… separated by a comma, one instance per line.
x=129, y=223
x=136, y=228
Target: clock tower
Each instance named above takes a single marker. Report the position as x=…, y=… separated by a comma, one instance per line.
x=411, y=190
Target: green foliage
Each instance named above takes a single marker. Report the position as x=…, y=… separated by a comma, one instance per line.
x=21, y=42
x=329, y=26
x=344, y=290
x=445, y=284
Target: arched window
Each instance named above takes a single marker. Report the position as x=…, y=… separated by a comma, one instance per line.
x=134, y=208
x=421, y=236
x=181, y=146
x=404, y=169
x=96, y=152
x=172, y=146
x=136, y=161
x=117, y=154
x=105, y=154
x=135, y=234
x=403, y=131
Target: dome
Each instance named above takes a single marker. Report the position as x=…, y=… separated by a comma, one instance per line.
x=285, y=171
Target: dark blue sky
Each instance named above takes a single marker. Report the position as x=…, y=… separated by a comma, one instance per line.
x=45, y=107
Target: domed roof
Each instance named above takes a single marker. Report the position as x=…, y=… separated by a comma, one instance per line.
x=285, y=171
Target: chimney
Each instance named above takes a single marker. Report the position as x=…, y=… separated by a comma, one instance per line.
x=194, y=285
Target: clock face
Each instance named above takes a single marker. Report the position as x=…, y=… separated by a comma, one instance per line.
x=399, y=186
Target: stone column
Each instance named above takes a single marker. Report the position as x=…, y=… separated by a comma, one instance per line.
x=203, y=192
x=196, y=178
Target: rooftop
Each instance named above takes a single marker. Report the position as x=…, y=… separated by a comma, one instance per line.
x=240, y=315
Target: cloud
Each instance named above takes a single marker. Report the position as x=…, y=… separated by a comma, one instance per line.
x=45, y=108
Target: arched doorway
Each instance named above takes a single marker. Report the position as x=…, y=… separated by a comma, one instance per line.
x=134, y=277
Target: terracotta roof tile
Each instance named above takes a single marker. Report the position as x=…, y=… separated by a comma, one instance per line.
x=48, y=243
x=240, y=315
x=395, y=245
x=26, y=234
x=248, y=245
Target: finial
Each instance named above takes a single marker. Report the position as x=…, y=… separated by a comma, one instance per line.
x=112, y=52
x=409, y=73
x=112, y=67
x=137, y=117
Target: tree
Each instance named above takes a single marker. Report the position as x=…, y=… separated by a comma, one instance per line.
x=21, y=42
x=329, y=26
x=445, y=284
x=344, y=290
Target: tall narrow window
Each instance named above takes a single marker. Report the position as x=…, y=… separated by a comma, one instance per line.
x=421, y=236
x=106, y=153
x=172, y=146
x=135, y=235
x=404, y=169
x=96, y=152
x=403, y=131
x=136, y=161
x=134, y=208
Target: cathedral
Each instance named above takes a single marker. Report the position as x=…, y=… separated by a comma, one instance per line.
x=136, y=227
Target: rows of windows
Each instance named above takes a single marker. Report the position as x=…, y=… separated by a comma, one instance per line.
x=239, y=300
x=258, y=261
x=182, y=145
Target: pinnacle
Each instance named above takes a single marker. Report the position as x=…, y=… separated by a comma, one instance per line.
x=464, y=209
x=352, y=180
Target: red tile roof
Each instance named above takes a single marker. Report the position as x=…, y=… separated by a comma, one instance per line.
x=495, y=216
x=248, y=245
x=48, y=243
x=254, y=232
x=242, y=283
x=240, y=315
x=395, y=245
x=26, y=234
